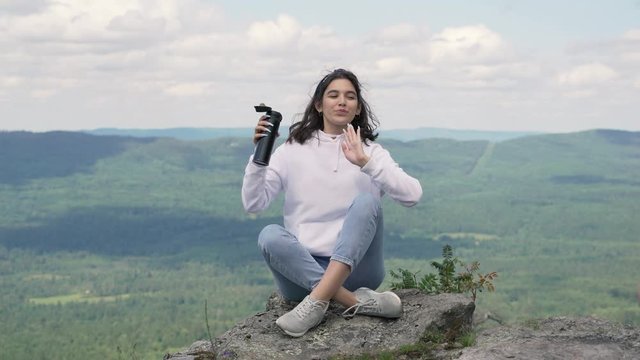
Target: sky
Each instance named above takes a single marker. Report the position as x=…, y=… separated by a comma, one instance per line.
x=500, y=65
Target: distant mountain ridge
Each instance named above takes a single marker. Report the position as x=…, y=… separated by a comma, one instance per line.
x=187, y=133
x=177, y=133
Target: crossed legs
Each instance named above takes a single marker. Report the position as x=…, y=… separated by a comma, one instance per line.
x=356, y=262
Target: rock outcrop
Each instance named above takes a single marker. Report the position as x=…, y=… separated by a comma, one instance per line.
x=258, y=337
x=556, y=338
x=446, y=316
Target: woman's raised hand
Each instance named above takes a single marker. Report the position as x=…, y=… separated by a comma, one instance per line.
x=352, y=146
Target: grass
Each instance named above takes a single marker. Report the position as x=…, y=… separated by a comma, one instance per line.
x=468, y=339
x=432, y=340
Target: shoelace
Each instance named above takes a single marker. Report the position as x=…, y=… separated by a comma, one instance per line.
x=370, y=304
x=309, y=306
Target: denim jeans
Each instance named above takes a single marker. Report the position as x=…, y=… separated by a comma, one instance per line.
x=296, y=272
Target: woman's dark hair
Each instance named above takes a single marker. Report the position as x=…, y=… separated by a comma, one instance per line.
x=312, y=120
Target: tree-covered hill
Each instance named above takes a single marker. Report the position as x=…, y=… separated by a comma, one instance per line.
x=100, y=193
x=25, y=156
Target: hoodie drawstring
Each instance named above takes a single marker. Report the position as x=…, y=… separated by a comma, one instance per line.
x=337, y=157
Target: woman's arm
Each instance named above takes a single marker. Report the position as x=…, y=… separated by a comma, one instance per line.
x=389, y=177
x=261, y=184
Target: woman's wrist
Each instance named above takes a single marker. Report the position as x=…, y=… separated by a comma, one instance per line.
x=363, y=161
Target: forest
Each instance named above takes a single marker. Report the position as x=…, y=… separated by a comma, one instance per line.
x=110, y=245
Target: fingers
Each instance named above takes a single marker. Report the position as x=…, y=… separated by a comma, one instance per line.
x=262, y=129
x=345, y=147
x=352, y=142
x=351, y=135
x=352, y=147
x=354, y=134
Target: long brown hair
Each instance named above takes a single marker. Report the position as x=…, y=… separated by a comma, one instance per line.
x=312, y=120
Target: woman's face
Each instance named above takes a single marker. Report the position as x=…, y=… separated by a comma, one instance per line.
x=339, y=106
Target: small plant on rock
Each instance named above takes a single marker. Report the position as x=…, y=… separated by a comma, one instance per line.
x=446, y=280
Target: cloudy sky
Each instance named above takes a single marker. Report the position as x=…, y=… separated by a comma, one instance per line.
x=539, y=65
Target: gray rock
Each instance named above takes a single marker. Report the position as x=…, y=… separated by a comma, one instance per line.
x=258, y=337
x=448, y=314
x=557, y=338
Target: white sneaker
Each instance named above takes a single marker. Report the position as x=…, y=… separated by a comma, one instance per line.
x=386, y=304
x=303, y=317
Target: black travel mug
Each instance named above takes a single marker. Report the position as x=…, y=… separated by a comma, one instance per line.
x=264, y=146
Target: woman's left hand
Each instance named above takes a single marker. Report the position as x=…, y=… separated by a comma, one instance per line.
x=352, y=147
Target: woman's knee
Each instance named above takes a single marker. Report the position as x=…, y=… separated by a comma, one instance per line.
x=269, y=236
x=367, y=201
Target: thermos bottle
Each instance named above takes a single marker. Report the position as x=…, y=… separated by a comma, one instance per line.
x=264, y=146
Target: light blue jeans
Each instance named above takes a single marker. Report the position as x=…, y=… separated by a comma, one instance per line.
x=296, y=272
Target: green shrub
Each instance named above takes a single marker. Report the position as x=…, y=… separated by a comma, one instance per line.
x=446, y=280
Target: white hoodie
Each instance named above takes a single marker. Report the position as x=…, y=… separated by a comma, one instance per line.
x=320, y=184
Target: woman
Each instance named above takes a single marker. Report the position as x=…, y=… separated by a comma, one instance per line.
x=333, y=176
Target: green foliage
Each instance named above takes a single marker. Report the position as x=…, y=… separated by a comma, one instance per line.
x=162, y=313
x=446, y=280
x=419, y=350
x=532, y=324
x=468, y=339
x=433, y=335
x=431, y=340
x=472, y=285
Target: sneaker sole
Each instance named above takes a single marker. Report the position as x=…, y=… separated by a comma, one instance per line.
x=292, y=334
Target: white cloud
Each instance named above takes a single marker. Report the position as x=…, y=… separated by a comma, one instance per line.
x=10, y=81
x=21, y=7
x=631, y=47
x=632, y=35
x=322, y=42
x=75, y=26
x=274, y=35
x=588, y=74
x=188, y=89
x=141, y=62
x=467, y=44
x=513, y=70
x=42, y=93
x=133, y=21
x=398, y=66
x=579, y=94
x=401, y=33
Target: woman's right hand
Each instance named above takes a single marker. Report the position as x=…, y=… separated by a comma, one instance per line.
x=263, y=128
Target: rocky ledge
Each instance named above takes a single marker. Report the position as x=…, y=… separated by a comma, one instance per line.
x=425, y=318
x=258, y=337
x=557, y=338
